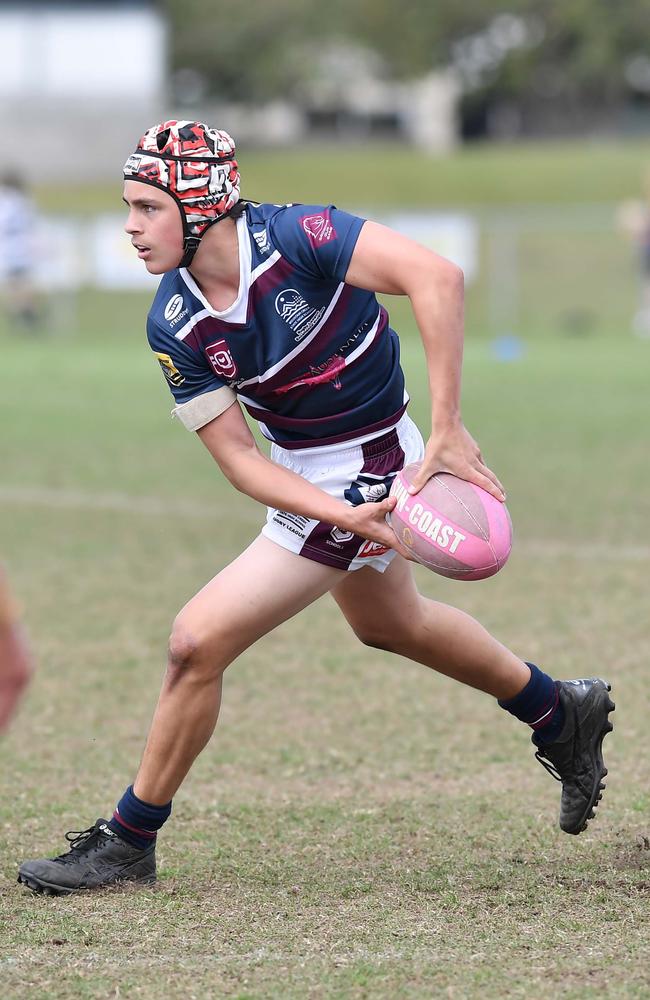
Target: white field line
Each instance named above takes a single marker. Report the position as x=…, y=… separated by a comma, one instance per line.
x=115, y=502
x=96, y=960
x=126, y=503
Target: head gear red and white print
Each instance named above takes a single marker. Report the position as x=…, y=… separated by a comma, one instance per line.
x=196, y=165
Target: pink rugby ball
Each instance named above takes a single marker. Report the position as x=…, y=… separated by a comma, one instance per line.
x=451, y=526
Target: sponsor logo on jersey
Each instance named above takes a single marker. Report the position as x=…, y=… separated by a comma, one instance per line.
x=169, y=369
x=443, y=535
x=327, y=371
x=317, y=375
x=219, y=356
x=369, y=549
x=173, y=308
x=296, y=312
x=262, y=240
x=319, y=229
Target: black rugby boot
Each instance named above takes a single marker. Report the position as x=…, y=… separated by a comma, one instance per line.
x=575, y=758
x=97, y=858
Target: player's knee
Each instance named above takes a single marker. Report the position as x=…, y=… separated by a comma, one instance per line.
x=183, y=649
x=391, y=635
x=187, y=653
x=375, y=636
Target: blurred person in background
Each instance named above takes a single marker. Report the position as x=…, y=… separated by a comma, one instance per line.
x=15, y=660
x=274, y=307
x=17, y=230
x=634, y=221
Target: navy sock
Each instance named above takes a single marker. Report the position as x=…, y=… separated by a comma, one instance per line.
x=538, y=705
x=136, y=821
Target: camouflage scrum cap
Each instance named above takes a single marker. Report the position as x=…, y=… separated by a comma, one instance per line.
x=196, y=165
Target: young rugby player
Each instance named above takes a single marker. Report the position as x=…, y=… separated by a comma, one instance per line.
x=273, y=308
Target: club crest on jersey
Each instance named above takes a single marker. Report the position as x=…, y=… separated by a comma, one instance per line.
x=319, y=229
x=297, y=313
x=219, y=356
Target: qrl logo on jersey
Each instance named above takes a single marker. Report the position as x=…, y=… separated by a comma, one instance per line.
x=219, y=356
x=340, y=535
x=319, y=229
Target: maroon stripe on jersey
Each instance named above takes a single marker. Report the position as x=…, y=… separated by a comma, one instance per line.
x=313, y=350
x=270, y=279
x=213, y=326
x=206, y=330
x=303, y=423
x=310, y=368
x=318, y=441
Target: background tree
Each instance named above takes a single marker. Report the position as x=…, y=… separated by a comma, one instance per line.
x=525, y=53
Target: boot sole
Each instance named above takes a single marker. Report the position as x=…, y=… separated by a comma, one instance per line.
x=599, y=765
x=43, y=888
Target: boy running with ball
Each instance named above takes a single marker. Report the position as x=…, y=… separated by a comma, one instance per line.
x=273, y=308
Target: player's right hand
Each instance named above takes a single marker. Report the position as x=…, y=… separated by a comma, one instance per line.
x=369, y=521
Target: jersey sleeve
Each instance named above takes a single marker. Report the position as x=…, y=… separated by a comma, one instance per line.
x=318, y=239
x=200, y=395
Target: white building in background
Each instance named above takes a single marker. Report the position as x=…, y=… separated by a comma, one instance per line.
x=80, y=81
x=350, y=92
x=76, y=80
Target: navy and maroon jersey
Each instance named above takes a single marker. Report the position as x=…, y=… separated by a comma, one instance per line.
x=312, y=359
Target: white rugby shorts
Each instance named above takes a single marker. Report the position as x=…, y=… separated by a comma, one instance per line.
x=355, y=472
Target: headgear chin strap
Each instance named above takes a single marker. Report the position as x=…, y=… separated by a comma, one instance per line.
x=196, y=165
x=190, y=246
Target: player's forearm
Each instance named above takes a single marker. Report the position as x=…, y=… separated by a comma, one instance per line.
x=439, y=313
x=252, y=473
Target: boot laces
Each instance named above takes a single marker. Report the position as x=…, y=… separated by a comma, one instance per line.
x=80, y=840
x=551, y=768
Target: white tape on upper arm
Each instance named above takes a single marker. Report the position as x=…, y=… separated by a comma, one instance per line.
x=198, y=412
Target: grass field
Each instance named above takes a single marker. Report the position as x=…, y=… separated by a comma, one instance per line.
x=358, y=828
x=477, y=176
x=552, y=258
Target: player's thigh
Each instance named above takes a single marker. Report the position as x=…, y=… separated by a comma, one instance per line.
x=263, y=587
x=380, y=606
